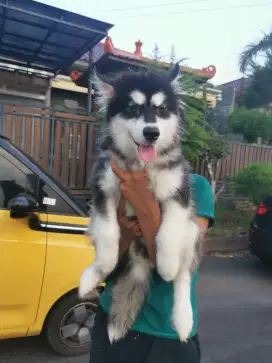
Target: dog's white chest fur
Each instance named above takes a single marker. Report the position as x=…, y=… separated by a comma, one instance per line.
x=163, y=184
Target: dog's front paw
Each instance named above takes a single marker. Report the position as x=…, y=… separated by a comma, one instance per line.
x=89, y=280
x=114, y=333
x=168, y=257
x=183, y=320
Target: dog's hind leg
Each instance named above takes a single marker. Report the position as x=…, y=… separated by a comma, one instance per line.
x=171, y=239
x=128, y=294
x=105, y=232
x=182, y=310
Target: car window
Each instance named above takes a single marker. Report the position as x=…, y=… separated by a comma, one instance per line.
x=51, y=202
x=15, y=178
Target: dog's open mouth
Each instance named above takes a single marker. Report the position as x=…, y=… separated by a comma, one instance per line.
x=147, y=153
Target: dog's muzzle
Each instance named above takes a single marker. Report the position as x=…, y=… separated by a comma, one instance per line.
x=151, y=133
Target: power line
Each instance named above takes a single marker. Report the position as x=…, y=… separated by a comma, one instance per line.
x=152, y=6
x=199, y=10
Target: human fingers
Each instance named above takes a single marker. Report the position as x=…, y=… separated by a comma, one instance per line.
x=121, y=207
x=121, y=174
x=136, y=229
x=127, y=176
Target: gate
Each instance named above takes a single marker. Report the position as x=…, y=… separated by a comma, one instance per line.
x=62, y=142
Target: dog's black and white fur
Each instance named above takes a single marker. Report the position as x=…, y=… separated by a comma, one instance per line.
x=142, y=109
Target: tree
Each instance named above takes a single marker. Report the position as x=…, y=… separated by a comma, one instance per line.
x=216, y=148
x=251, y=124
x=156, y=52
x=259, y=93
x=194, y=129
x=248, y=56
x=201, y=141
x=254, y=182
x=173, y=54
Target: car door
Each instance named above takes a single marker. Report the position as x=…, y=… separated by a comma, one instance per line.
x=69, y=250
x=22, y=252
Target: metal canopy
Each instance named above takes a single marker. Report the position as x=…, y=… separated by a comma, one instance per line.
x=44, y=37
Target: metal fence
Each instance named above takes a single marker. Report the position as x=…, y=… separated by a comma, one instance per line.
x=62, y=142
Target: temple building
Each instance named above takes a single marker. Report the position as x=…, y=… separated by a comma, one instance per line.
x=110, y=60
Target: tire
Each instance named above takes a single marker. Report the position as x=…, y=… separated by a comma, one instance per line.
x=66, y=328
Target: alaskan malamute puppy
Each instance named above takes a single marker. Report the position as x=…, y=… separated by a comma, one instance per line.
x=143, y=131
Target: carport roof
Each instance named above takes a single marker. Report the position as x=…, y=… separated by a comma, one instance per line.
x=44, y=37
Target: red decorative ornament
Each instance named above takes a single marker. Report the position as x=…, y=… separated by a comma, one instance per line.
x=75, y=75
x=209, y=71
x=138, y=50
x=108, y=45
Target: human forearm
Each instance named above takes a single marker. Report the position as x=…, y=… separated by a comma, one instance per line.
x=150, y=224
x=202, y=224
x=129, y=230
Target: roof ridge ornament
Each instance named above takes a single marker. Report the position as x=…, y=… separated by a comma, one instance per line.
x=138, y=50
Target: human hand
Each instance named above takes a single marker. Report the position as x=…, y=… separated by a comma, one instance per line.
x=134, y=188
x=129, y=229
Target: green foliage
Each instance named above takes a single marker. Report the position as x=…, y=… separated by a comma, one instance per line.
x=189, y=83
x=216, y=147
x=195, y=103
x=252, y=50
x=251, y=124
x=254, y=182
x=199, y=138
x=194, y=134
x=259, y=93
x=230, y=222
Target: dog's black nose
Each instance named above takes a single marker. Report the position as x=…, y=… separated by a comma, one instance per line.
x=151, y=134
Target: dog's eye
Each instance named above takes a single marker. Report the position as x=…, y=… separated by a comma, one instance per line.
x=133, y=109
x=161, y=111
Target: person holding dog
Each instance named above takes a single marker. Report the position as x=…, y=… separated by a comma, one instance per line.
x=152, y=338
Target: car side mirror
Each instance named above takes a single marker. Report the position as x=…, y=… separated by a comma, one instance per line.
x=22, y=205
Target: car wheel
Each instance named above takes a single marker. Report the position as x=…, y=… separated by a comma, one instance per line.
x=68, y=325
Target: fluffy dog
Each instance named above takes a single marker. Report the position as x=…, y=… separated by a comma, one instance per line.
x=143, y=131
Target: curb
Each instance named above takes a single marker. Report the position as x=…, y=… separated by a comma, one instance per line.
x=229, y=245
x=227, y=253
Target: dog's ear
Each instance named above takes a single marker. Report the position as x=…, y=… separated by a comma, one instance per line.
x=174, y=74
x=104, y=86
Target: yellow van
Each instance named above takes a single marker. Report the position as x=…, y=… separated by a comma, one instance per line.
x=43, y=251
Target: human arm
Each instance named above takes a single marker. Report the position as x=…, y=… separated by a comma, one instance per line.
x=129, y=229
x=204, y=204
x=203, y=225
x=134, y=188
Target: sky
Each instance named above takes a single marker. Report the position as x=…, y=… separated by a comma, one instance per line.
x=204, y=32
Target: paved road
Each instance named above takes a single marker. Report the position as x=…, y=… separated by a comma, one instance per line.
x=235, y=317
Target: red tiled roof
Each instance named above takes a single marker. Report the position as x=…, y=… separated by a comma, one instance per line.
x=108, y=47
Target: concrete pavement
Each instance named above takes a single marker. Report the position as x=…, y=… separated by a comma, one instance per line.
x=235, y=305
x=235, y=317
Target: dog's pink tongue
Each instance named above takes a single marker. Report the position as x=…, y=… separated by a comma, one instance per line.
x=147, y=153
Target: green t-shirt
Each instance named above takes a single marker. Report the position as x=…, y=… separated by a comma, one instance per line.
x=155, y=317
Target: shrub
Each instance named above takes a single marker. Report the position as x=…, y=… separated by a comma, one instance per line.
x=254, y=182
